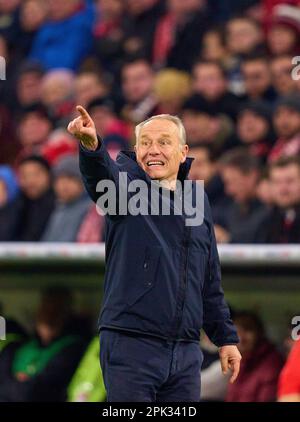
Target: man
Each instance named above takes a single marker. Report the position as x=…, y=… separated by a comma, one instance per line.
x=138, y=90
x=210, y=81
x=257, y=78
x=286, y=119
x=163, y=277
x=281, y=71
x=239, y=220
x=282, y=224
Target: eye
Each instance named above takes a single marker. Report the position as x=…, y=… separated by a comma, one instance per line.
x=163, y=142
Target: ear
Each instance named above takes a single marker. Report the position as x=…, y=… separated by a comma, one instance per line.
x=184, y=153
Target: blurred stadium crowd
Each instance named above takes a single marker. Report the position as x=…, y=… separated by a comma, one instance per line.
x=229, y=69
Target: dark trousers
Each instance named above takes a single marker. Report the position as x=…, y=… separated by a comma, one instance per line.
x=145, y=369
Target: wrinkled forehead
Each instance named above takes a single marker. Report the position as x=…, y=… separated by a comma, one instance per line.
x=160, y=127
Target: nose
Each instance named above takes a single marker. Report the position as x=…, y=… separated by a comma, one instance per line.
x=154, y=150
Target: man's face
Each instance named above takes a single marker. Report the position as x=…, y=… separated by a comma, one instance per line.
x=285, y=185
x=281, y=39
x=281, y=70
x=34, y=179
x=257, y=77
x=159, y=151
x=242, y=36
x=29, y=88
x=67, y=189
x=87, y=88
x=137, y=81
x=199, y=127
x=209, y=81
x=286, y=122
x=251, y=128
x=202, y=167
x=34, y=129
x=239, y=186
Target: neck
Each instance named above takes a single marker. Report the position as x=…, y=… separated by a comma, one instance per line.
x=168, y=184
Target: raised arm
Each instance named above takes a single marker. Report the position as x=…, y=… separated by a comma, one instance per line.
x=94, y=161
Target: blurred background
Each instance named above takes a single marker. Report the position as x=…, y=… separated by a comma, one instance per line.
x=231, y=70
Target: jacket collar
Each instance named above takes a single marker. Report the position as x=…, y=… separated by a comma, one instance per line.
x=127, y=160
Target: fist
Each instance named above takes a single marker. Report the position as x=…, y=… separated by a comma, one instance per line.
x=83, y=128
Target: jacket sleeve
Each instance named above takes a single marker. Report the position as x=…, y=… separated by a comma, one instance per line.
x=217, y=322
x=96, y=166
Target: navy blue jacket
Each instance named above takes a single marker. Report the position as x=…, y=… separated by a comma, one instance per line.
x=162, y=277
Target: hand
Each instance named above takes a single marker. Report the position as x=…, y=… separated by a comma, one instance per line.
x=83, y=128
x=230, y=358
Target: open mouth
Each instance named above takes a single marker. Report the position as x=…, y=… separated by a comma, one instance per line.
x=155, y=163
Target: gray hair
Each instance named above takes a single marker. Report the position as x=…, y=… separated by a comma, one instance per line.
x=174, y=119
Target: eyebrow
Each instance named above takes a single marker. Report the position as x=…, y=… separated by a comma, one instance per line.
x=163, y=135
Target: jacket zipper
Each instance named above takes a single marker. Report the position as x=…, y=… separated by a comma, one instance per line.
x=183, y=284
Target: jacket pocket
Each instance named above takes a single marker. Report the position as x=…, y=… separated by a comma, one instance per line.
x=144, y=278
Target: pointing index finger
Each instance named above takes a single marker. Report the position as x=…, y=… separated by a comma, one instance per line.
x=83, y=112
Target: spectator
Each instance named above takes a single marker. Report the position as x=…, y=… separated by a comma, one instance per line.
x=33, y=129
x=89, y=86
x=65, y=40
x=57, y=94
x=283, y=36
x=257, y=78
x=205, y=168
x=261, y=363
x=282, y=224
x=254, y=128
x=179, y=34
x=41, y=368
x=204, y=124
x=8, y=193
x=9, y=26
x=243, y=37
x=109, y=34
x=287, y=126
x=210, y=81
x=139, y=26
x=170, y=100
x=138, y=90
x=214, y=47
x=32, y=16
x=72, y=203
x=240, y=220
x=289, y=381
x=107, y=123
x=281, y=71
x=28, y=86
x=36, y=202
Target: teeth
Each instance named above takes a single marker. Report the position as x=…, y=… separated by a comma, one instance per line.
x=155, y=163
